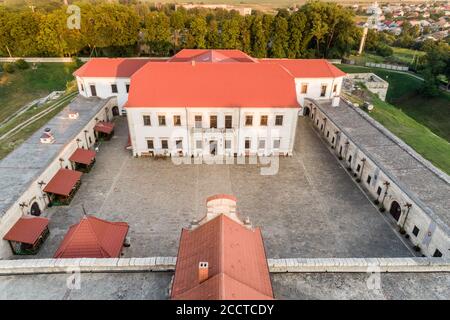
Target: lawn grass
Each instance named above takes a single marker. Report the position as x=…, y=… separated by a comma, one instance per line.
x=24, y=86
x=405, y=55
x=432, y=147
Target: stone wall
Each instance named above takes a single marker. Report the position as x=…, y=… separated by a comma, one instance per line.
x=433, y=233
x=153, y=264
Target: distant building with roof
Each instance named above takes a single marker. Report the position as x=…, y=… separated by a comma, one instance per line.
x=210, y=102
x=221, y=257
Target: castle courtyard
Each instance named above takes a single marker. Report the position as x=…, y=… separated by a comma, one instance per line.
x=310, y=208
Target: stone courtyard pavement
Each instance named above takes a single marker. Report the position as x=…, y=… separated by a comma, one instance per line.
x=311, y=208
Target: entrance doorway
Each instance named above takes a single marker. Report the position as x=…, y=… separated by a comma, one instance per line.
x=115, y=111
x=307, y=111
x=395, y=210
x=35, y=210
x=213, y=147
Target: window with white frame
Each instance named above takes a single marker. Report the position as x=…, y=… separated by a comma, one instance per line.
x=248, y=143
x=147, y=120
x=179, y=144
x=198, y=121
x=164, y=144
x=162, y=120
x=177, y=120
x=150, y=144
x=279, y=120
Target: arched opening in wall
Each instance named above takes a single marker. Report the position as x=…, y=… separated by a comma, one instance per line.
x=395, y=210
x=115, y=111
x=307, y=112
x=35, y=210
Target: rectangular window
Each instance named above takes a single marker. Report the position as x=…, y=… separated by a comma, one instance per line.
x=82, y=87
x=150, y=144
x=358, y=168
x=179, y=144
x=127, y=87
x=328, y=134
x=304, y=89
x=213, y=122
x=350, y=159
x=227, y=144
x=335, y=88
x=379, y=191
x=263, y=121
x=164, y=144
x=369, y=178
x=198, y=144
x=415, y=231
x=114, y=88
x=198, y=121
x=248, y=120
x=162, y=120
x=228, y=122
x=278, y=120
x=177, y=120
x=247, y=144
x=147, y=120
x=262, y=144
x=93, y=90
x=276, y=143
x=323, y=90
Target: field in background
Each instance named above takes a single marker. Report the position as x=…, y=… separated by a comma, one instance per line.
x=24, y=86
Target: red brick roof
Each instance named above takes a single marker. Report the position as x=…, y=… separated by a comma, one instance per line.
x=308, y=68
x=212, y=85
x=237, y=263
x=110, y=67
x=83, y=156
x=93, y=238
x=27, y=229
x=63, y=182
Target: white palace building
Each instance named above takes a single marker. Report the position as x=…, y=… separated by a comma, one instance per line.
x=210, y=102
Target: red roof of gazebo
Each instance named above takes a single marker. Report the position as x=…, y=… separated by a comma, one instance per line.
x=63, y=182
x=93, y=238
x=105, y=127
x=27, y=229
x=83, y=156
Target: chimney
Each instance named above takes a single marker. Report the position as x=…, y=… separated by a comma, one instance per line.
x=47, y=136
x=202, y=271
x=335, y=101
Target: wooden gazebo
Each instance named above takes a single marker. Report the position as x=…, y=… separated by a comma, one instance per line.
x=105, y=130
x=63, y=186
x=27, y=235
x=83, y=159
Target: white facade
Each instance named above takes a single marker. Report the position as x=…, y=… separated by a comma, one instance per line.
x=104, y=88
x=317, y=88
x=216, y=131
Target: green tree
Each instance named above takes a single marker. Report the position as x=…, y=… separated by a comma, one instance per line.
x=157, y=33
x=280, y=38
x=297, y=22
x=259, y=40
x=198, y=29
x=230, y=33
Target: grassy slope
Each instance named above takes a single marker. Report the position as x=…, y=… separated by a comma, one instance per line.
x=418, y=136
x=404, y=94
x=415, y=119
x=23, y=86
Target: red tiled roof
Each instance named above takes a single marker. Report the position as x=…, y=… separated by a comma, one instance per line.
x=83, y=156
x=93, y=238
x=212, y=85
x=27, y=229
x=110, y=67
x=308, y=68
x=63, y=182
x=216, y=55
x=237, y=263
x=105, y=127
